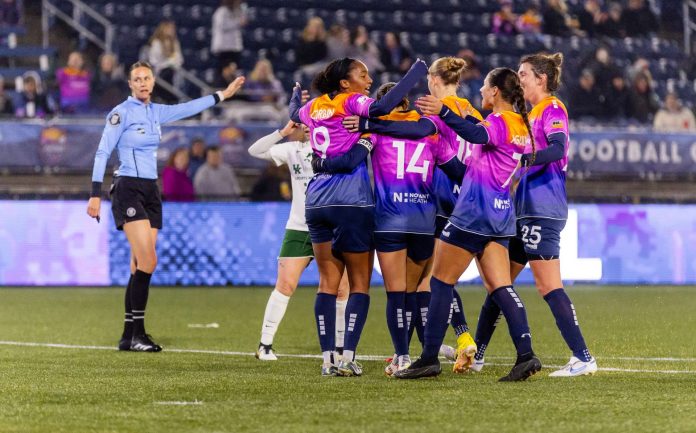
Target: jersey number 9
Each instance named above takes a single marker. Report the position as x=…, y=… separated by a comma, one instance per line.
x=323, y=132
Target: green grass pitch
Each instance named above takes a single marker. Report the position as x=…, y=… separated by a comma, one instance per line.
x=643, y=338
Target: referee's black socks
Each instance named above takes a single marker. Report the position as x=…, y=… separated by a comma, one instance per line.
x=139, y=292
x=128, y=320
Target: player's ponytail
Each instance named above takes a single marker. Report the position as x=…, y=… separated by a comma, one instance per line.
x=546, y=64
x=329, y=80
x=508, y=82
x=449, y=69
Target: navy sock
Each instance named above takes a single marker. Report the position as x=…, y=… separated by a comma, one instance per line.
x=567, y=322
x=325, y=314
x=411, y=313
x=140, y=290
x=458, y=320
x=438, y=317
x=423, y=299
x=396, y=321
x=487, y=321
x=516, y=317
x=356, y=315
x=128, y=319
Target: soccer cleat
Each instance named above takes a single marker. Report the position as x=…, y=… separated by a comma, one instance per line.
x=392, y=365
x=576, y=367
x=466, y=349
x=265, y=353
x=420, y=368
x=124, y=343
x=328, y=370
x=349, y=368
x=144, y=343
x=448, y=352
x=522, y=370
x=477, y=366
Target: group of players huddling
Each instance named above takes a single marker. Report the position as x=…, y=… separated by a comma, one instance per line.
x=444, y=185
x=449, y=188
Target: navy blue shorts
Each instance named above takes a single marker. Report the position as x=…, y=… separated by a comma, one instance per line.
x=440, y=223
x=418, y=246
x=472, y=242
x=349, y=228
x=537, y=239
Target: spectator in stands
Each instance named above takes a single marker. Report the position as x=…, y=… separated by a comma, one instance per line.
x=176, y=184
x=504, y=21
x=9, y=13
x=602, y=67
x=591, y=17
x=74, y=82
x=640, y=65
x=312, y=49
x=338, y=42
x=393, y=55
x=108, y=89
x=556, y=20
x=164, y=54
x=638, y=19
x=530, y=21
x=216, y=178
x=273, y=185
x=226, y=34
x=616, y=98
x=196, y=156
x=364, y=49
x=586, y=97
x=6, y=105
x=263, y=86
x=230, y=72
x=612, y=26
x=32, y=102
x=673, y=117
x=643, y=100
x=472, y=79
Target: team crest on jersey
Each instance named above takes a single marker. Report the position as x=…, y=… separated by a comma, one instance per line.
x=558, y=124
x=362, y=100
x=115, y=119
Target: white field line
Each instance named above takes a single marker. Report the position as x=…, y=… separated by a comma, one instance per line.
x=180, y=403
x=361, y=357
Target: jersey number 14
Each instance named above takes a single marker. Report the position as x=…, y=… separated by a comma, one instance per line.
x=423, y=170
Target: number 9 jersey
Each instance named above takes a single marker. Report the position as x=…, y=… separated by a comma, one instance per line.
x=328, y=137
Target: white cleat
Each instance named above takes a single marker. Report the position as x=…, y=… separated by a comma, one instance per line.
x=575, y=367
x=448, y=352
x=477, y=366
x=266, y=353
x=397, y=363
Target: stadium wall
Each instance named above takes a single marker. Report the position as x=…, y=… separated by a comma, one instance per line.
x=54, y=243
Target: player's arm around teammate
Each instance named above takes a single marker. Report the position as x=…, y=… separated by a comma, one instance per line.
x=133, y=128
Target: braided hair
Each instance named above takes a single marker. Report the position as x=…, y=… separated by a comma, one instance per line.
x=508, y=82
x=329, y=80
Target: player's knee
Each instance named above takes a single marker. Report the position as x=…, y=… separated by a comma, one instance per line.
x=148, y=263
x=286, y=287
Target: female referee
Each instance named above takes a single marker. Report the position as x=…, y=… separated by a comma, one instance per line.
x=339, y=208
x=296, y=251
x=482, y=220
x=134, y=128
x=542, y=211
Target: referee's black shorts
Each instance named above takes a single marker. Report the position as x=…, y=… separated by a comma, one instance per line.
x=133, y=199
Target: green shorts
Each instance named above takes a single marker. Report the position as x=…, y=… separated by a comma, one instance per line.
x=296, y=244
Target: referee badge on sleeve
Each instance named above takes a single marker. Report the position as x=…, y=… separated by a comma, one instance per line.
x=115, y=119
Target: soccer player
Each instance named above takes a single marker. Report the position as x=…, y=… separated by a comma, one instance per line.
x=339, y=207
x=296, y=251
x=404, y=213
x=134, y=128
x=482, y=221
x=542, y=211
x=443, y=79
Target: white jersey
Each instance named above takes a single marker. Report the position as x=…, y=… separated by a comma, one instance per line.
x=298, y=156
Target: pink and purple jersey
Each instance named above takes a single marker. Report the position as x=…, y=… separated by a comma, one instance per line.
x=542, y=190
x=328, y=137
x=484, y=205
x=445, y=189
x=403, y=171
